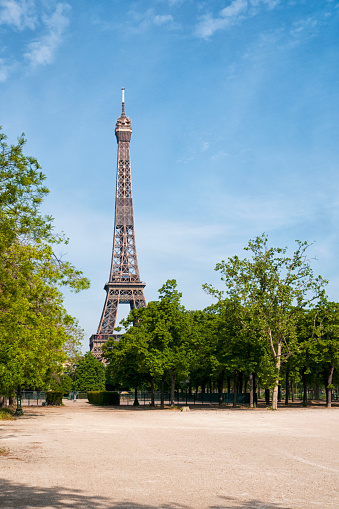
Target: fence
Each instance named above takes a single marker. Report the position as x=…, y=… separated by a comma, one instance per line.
x=33, y=398
x=184, y=398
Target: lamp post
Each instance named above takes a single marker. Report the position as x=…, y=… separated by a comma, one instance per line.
x=19, y=410
x=69, y=384
x=75, y=382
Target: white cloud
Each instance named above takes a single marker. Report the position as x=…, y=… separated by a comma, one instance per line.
x=233, y=13
x=5, y=69
x=42, y=51
x=208, y=25
x=235, y=8
x=162, y=20
x=20, y=14
x=270, y=3
x=205, y=146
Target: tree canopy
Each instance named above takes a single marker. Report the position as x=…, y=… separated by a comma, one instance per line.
x=272, y=322
x=34, y=325
x=270, y=291
x=90, y=374
x=157, y=343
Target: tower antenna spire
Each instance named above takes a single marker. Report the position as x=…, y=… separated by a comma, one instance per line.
x=123, y=100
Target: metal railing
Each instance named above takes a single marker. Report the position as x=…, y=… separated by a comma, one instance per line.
x=33, y=398
x=183, y=398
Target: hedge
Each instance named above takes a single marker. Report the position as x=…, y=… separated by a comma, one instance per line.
x=53, y=398
x=104, y=398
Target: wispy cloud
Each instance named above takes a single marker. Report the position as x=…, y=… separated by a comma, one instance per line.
x=233, y=13
x=162, y=20
x=175, y=2
x=20, y=14
x=6, y=67
x=43, y=25
x=145, y=20
x=42, y=51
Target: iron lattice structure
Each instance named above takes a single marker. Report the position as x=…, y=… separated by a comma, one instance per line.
x=124, y=285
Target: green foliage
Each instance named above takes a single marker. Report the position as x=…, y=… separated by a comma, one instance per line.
x=270, y=291
x=34, y=326
x=158, y=342
x=6, y=414
x=53, y=398
x=90, y=374
x=104, y=398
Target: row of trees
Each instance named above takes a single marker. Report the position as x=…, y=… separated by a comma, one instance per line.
x=272, y=322
x=36, y=332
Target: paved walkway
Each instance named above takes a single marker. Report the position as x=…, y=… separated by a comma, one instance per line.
x=85, y=457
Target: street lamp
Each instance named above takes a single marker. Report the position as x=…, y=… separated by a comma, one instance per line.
x=69, y=384
x=19, y=410
x=75, y=382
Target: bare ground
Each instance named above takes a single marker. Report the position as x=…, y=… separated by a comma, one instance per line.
x=86, y=457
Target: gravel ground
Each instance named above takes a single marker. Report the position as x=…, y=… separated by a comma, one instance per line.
x=85, y=457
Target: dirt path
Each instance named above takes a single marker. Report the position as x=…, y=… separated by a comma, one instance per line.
x=80, y=457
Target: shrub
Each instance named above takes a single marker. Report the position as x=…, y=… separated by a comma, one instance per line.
x=53, y=398
x=81, y=395
x=104, y=398
x=6, y=414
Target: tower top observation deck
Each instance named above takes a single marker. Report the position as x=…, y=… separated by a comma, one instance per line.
x=123, y=123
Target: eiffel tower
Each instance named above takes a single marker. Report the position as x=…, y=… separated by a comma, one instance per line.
x=124, y=285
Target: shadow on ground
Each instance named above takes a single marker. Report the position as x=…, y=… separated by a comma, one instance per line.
x=22, y=496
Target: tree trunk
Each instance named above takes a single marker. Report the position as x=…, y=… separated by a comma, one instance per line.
x=235, y=382
x=203, y=386
x=240, y=382
x=221, y=386
x=251, y=385
x=2, y=401
x=317, y=392
x=328, y=386
x=255, y=399
x=267, y=397
x=287, y=387
x=136, y=402
x=275, y=395
x=292, y=389
x=162, y=392
x=276, y=385
x=152, y=392
x=172, y=388
x=303, y=375
x=228, y=384
x=210, y=385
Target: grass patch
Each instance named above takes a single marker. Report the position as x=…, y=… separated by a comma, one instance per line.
x=6, y=414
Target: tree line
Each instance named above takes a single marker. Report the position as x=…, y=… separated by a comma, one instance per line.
x=271, y=323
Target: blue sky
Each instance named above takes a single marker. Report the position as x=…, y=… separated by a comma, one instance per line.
x=235, y=114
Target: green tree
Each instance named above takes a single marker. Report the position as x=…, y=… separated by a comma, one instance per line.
x=34, y=326
x=270, y=290
x=90, y=374
x=319, y=360
x=157, y=343
x=174, y=330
